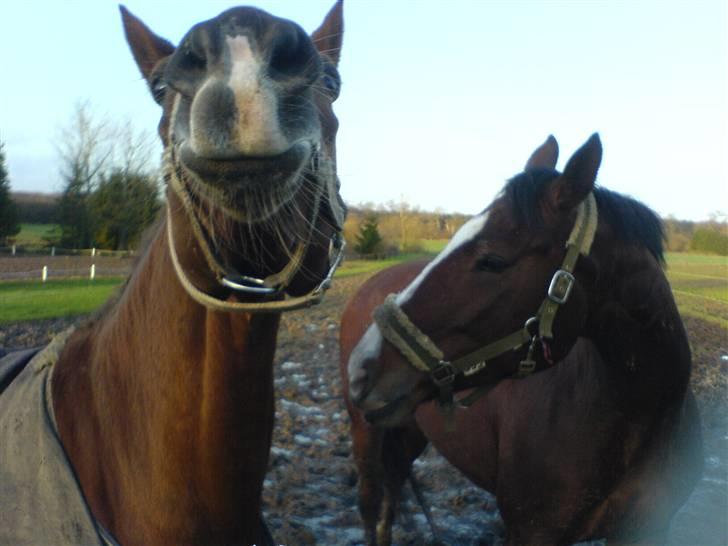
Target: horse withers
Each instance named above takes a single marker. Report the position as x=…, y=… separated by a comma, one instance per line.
x=163, y=402
x=558, y=277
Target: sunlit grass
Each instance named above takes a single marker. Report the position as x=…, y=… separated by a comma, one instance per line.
x=699, y=282
x=34, y=234
x=34, y=300
x=700, y=285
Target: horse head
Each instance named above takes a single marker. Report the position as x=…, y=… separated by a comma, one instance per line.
x=250, y=156
x=474, y=315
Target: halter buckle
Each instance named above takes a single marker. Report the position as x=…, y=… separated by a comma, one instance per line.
x=443, y=374
x=560, y=287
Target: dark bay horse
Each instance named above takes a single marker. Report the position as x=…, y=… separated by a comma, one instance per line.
x=604, y=440
x=164, y=401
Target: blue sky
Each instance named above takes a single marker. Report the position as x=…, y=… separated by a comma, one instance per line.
x=442, y=101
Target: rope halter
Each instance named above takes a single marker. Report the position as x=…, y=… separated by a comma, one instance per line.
x=424, y=355
x=272, y=287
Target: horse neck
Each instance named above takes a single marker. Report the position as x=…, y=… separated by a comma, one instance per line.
x=637, y=329
x=166, y=411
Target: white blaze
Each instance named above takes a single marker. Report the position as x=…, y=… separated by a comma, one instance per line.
x=464, y=235
x=258, y=128
x=370, y=344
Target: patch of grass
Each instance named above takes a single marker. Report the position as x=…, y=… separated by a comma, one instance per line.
x=359, y=267
x=433, y=246
x=699, y=282
x=33, y=234
x=57, y=298
x=700, y=285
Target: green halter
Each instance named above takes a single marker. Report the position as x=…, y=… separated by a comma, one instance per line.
x=424, y=355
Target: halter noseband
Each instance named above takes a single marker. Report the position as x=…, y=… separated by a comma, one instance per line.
x=272, y=286
x=422, y=353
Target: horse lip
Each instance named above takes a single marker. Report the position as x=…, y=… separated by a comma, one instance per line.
x=381, y=413
x=244, y=170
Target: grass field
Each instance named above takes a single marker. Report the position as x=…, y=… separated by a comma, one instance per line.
x=32, y=300
x=700, y=284
x=33, y=234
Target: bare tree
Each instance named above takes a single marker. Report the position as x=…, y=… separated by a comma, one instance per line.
x=98, y=154
x=132, y=153
x=84, y=148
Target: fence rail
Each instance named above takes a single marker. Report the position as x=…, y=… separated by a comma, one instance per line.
x=31, y=250
x=45, y=273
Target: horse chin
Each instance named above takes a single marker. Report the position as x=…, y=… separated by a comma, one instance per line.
x=397, y=412
x=248, y=189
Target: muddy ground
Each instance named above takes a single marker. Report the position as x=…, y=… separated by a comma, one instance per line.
x=310, y=492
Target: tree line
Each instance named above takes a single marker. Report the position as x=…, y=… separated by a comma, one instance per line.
x=111, y=187
x=111, y=194
x=386, y=230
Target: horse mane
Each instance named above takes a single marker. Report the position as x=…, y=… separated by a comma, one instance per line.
x=632, y=221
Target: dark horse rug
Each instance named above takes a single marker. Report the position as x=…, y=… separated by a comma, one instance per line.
x=40, y=499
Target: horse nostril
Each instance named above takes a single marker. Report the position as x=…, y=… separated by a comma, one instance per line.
x=292, y=54
x=358, y=381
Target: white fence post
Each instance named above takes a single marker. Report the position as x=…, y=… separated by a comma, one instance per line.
x=92, y=274
x=44, y=273
x=13, y=250
x=93, y=251
x=53, y=251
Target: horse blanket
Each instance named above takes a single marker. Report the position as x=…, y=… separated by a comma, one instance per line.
x=41, y=502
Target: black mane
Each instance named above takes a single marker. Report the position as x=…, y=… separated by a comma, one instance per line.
x=632, y=221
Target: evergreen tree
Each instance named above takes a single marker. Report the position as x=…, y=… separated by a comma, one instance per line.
x=122, y=206
x=9, y=225
x=368, y=240
x=74, y=216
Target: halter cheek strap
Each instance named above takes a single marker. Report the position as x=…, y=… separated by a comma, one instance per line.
x=423, y=354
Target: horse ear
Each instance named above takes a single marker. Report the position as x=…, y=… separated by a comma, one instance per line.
x=545, y=156
x=148, y=48
x=579, y=175
x=328, y=37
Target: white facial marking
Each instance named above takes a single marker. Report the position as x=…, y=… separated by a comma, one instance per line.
x=257, y=131
x=369, y=346
x=464, y=235
x=245, y=70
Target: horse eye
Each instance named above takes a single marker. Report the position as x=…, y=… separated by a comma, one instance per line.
x=330, y=82
x=159, y=88
x=492, y=263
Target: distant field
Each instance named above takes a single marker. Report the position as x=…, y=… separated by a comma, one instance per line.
x=700, y=285
x=433, y=246
x=33, y=234
x=34, y=300
x=360, y=267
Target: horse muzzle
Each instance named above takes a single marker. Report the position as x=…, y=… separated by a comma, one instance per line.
x=245, y=172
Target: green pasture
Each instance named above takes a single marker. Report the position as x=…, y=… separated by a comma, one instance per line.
x=700, y=285
x=32, y=300
x=699, y=282
x=34, y=234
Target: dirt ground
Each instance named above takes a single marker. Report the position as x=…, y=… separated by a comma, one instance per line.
x=310, y=491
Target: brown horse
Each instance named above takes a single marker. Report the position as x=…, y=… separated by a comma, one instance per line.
x=164, y=402
x=603, y=442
